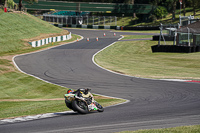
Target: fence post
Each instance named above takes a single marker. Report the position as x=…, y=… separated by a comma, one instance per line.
x=53, y=19
x=87, y=20
x=160, y=34
x=188, y=36
x=104, y=20
x=93, y=20
x=110, y=20
x=115, y=21
x=98, y=20
x=62, y=19
x=175, y=34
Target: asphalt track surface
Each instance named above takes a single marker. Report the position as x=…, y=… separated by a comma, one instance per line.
x=153, y=103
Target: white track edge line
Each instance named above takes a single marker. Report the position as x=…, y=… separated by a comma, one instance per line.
x=93, y=60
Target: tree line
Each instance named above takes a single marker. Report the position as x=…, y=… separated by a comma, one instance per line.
x=164, y=6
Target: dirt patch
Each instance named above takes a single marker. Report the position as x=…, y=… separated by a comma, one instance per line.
x=102, y=97
x=8, y=57
x=8, y=68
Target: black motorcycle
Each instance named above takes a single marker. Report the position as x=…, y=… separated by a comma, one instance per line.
x=82, y=101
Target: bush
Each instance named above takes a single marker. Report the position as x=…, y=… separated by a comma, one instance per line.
x=160, y=12
x=152, y=18
x=10, y=3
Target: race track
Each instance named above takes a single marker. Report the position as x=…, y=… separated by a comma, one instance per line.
x=153, y=103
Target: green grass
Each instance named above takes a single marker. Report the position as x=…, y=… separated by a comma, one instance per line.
x=126, y=37
x=15, y=85
x=14, y=27
x=138, y=31
x=135, y=58
x=5, y=62
x=26, y=108
x=182, y=129
x=14, y=109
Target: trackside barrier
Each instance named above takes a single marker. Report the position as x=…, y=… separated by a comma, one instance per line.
x=88, y=26
x=50, y=40
x=109, y=27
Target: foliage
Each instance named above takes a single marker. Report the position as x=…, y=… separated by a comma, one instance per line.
x=160, y=12
x=2, y=2
x=31, y=1
x=195, y=4
x=10, y=3
x=152, y=18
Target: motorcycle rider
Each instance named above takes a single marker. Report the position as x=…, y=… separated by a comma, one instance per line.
x=85, y=93
x=88, y=98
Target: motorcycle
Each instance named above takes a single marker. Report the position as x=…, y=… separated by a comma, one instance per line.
x=83, y=105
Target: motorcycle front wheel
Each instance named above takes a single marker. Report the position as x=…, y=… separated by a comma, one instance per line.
x=100, y=108
x=80, y=106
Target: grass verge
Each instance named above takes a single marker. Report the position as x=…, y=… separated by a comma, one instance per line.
x=19, y=28
x=135, y=58
x=26, y=108
x=182, y=129
x=138, y=31
x=126, y=37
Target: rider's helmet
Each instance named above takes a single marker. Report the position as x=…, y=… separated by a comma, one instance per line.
x=70, y=91
x=86, y=91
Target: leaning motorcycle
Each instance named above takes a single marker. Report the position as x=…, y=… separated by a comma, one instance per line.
x=82, y=105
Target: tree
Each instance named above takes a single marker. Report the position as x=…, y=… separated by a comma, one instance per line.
x=174, y=9
x=171, y=6
x=156, y=2
x=184, y=12
x=133, y=2
x=195, y=5
x=160, y=12
x=28, y=1
x=1, y=2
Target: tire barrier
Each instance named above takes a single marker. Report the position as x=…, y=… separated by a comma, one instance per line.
x=87, y=26
x=50, y=40
x=175, y=49
x=108, y=27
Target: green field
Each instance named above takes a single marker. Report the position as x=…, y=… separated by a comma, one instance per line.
x=136, y=59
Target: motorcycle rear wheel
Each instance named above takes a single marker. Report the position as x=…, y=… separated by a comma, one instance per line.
x=80, y=106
